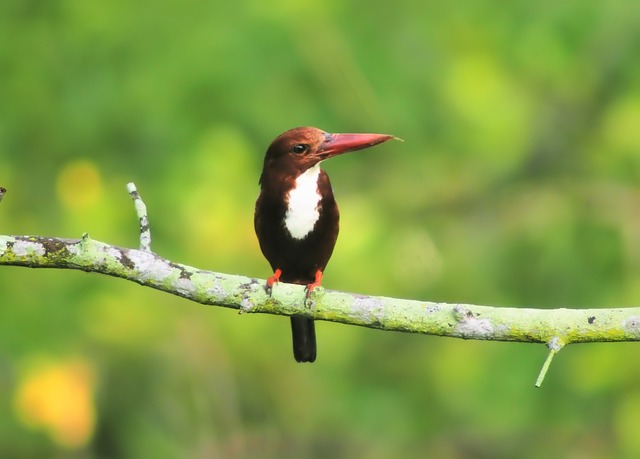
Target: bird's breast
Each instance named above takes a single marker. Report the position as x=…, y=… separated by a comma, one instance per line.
x=303, y=202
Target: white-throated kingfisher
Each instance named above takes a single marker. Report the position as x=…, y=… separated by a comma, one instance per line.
x=296, y=216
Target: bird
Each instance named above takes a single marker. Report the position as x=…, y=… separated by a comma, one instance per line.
x=296, y=216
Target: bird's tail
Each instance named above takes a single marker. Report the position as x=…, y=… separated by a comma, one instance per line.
x=303, y=331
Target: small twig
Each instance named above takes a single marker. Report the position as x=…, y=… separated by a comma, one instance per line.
x=3, y=190
x=554, y=347
x=141, y=211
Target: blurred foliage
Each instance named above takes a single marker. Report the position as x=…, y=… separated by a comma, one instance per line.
x=517, y=185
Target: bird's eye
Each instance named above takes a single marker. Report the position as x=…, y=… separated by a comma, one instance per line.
x=299, y=148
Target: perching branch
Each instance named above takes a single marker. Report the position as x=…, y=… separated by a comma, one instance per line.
x=554, y=327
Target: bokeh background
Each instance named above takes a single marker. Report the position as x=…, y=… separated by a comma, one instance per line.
x=517, y=185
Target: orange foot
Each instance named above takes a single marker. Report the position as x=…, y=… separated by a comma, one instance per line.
x=316, y=283
x=273, y=280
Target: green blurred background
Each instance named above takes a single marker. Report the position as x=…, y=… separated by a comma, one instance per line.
x=517, y=185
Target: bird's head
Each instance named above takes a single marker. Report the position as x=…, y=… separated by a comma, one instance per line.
x=301, y=148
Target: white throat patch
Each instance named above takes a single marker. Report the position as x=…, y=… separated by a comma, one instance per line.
x=302, y=204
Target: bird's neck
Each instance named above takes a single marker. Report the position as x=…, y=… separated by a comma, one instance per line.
x=303, y=203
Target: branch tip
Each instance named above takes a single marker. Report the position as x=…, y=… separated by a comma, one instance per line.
x=84, y=240
x=141, y=211
x=554, y=345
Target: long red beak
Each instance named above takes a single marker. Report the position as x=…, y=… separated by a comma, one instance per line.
x=337, y=144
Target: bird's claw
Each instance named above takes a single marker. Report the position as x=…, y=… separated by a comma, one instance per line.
x=311, y=287
x=307, y=294
x=272, y=280
x=268, y=289
x=308, y=301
